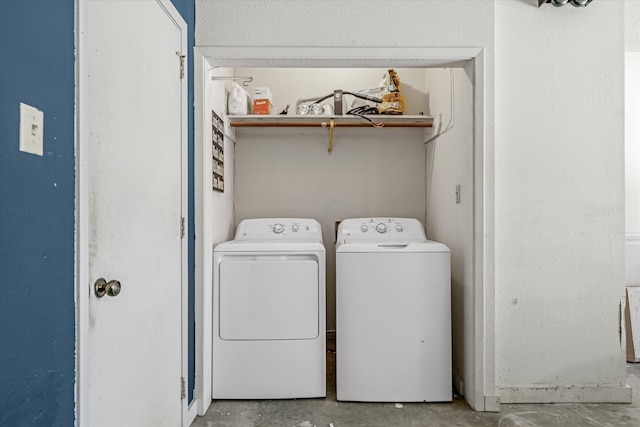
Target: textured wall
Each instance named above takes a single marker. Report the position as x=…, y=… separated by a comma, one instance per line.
x=632, y=142
x=559, y=194
x=37, y=332
x=632, y=26
x=632, y=112
x=434, y=23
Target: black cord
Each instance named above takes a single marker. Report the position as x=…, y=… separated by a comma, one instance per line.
x=365, y=109
x=357, y=95
x=319, y=100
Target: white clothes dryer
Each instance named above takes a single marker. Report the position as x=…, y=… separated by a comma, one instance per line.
x=269, y=311
x=393, y=313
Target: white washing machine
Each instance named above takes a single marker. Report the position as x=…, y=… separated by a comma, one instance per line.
x=393, y=313
x=269, y=311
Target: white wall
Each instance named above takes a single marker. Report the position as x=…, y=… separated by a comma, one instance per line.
x=436, y=23
x=559, y=219
x=220, y=204
x=559, y=201
x=632, y=26
x=632, y=142
x=218, y=223
x=632, y=167
x=450, y=162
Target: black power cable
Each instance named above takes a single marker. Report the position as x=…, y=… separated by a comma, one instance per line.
x=365, y=109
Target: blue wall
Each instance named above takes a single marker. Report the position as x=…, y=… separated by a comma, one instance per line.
x=37, y=312
x=37, y=318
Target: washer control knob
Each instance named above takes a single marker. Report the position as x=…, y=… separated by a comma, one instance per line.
x=278, y=228
x=295, y=228
x=399, y=227
x=364, y=228
x=381, y=228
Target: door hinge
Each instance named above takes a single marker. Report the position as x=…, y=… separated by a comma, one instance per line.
x=183, y=389
x=181, y=56
x=182, y=227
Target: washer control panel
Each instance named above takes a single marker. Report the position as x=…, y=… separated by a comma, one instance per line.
x=392, y=229
x=381, y=227
x=279, y=228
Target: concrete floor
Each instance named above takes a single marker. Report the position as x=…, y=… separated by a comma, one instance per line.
x=328, y=412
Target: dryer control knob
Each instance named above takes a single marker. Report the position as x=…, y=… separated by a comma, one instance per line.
x=278, y=228
x=399, y=227
x=381, y=228
x=295, y=228
x=364, y=228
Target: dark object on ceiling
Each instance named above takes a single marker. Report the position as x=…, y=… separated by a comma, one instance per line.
x=560, y=3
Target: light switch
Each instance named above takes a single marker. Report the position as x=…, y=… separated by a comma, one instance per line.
x=31, y=129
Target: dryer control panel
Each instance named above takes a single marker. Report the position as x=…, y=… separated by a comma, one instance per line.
x=278, y=229
x=381, y=229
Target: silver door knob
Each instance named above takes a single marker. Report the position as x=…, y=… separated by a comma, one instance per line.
x=102, y=287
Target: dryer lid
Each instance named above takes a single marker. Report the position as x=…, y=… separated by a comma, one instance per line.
x=283, y=246
x=279, y=230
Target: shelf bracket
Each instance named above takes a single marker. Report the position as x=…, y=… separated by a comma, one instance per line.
x=245, y=80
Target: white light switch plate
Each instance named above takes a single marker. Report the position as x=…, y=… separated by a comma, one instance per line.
x=31, y=129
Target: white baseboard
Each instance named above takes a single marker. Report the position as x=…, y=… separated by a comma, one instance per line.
x=560, y=394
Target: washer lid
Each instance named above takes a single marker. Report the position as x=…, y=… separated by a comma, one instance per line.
x=391, y=247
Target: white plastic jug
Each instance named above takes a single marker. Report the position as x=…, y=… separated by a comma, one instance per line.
x=239, y=100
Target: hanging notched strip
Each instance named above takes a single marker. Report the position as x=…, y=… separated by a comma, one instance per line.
x=331, y=125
